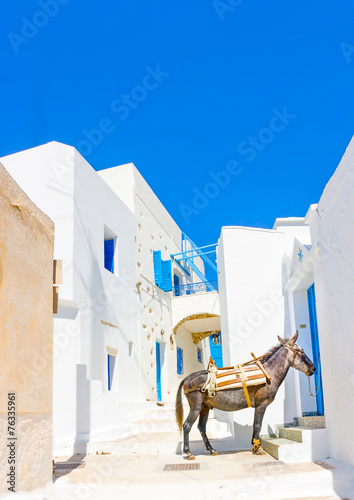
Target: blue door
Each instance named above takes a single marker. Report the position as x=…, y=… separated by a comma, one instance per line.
x=311, y=298
x=158, y=371
x=216, y=348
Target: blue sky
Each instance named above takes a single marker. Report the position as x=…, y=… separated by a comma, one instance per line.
x=256, y=96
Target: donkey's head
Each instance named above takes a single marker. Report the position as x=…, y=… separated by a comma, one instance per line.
x=297, y=356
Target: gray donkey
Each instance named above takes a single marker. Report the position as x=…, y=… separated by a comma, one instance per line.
x=276, y=362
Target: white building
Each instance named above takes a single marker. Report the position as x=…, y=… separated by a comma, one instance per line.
x=297, y=277
x=117, y=333
x=329, y=265
x=132, y=323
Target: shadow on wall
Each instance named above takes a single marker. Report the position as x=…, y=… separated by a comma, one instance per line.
x=83, y=422
x=225, y=417
x=243, y=434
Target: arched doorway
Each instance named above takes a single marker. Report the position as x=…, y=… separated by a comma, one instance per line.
x=193, y=347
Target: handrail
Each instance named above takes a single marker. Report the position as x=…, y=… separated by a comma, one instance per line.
x=191, y=288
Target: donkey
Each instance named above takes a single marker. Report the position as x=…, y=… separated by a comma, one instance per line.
x=276, y=361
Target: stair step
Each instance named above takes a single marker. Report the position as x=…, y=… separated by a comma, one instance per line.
x=163, y=419
x=298, y=444
x=215, y=429
x=318, y=422
x=163, y=412
x=283, y=449
x=292, y=433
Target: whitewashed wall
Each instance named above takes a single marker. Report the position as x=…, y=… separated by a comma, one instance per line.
x=155, y=230
x=297, y=277
x=334, y=284
x=252, y=307
x=84, y=204
x=64, y=185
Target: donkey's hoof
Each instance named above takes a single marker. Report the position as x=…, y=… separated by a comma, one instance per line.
x=260, y=451
x=190, y=457
x=213, y=453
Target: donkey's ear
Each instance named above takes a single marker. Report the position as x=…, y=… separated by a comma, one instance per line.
x=282, y=341
x=294, y=338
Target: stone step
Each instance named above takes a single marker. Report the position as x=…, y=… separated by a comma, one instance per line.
x=163, y=413
x=318, y=422
x=283, y=449
x=292, y=433
x=215, y=428
x=153, y=443
x=163, y=419
x=298, y=444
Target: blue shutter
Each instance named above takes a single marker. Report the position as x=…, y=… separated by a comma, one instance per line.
x=157, y=268
x=109, y=255
x=179, y=361
x=166, y=284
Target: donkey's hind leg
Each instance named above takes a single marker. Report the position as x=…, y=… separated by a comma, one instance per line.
x=203, y=418
x=195, y=408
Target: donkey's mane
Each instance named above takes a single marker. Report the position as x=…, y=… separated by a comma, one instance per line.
x=270, y=353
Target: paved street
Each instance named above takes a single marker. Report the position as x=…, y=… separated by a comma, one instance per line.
x=231, y=475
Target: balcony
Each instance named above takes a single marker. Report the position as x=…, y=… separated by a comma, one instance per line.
x=191, y=288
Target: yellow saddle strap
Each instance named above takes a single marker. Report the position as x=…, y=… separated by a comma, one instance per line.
x=243, y=380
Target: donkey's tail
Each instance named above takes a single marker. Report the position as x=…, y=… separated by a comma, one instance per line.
x=179, y=407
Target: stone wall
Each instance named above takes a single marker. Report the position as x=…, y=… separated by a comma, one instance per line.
x=26, y=294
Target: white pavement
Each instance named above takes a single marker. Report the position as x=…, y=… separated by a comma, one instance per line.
x=230, y=476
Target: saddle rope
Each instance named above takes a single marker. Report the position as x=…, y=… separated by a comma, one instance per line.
x=210, y=384
x=319, y=384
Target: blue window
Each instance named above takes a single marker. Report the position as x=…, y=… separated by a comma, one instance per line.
x=176, y=288
x=109, y=246
x=199, y=355
x=111, y=361
x=180, y=370
x=162, y=272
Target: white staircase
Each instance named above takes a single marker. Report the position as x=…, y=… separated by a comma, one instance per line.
x=305, y=442
x=156, y=431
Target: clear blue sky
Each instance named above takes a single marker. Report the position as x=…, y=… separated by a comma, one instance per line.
x=186, y=89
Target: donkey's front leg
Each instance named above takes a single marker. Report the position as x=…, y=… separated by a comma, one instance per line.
x=257, y=426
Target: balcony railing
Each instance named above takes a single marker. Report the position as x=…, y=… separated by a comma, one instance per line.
x=191, y=288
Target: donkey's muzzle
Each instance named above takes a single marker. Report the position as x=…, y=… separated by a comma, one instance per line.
x=311, y=370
